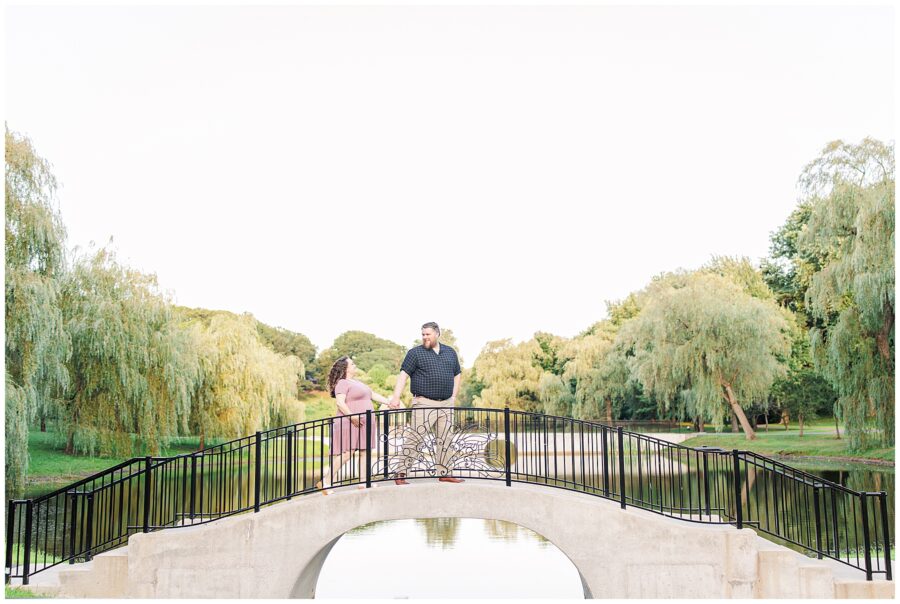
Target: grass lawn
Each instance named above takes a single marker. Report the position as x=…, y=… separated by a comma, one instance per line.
x=318, y=404
x=48, y=459
x=17, y=592
x=818, y=440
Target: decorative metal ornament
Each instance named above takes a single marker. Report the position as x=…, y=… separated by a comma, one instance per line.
x=436, y=447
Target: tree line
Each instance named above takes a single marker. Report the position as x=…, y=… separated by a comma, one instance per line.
x=810, y=331
x=96, y=348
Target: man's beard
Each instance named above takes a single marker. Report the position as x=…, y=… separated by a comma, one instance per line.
x=429, y=344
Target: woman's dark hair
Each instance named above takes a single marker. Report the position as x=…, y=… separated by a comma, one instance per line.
x=337, y=373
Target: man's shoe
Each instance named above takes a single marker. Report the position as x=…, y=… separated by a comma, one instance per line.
x=450, y=479
x=400, y=479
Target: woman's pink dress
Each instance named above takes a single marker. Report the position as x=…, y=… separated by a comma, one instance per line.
x=344, y=435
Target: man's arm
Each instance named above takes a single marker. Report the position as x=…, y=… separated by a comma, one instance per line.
x=394, y=401
x=456, y=380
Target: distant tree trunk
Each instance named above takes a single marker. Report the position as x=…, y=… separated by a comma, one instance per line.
x=43, y=424
x=785, y=418
x=700, y=425
x=800, y=419
x=736, y=409
x=734, y=422
x=608, y=409
x=202, y=438
x=766, y=415
x=837, y=429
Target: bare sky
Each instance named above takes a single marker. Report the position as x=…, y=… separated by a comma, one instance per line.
x=499, y=170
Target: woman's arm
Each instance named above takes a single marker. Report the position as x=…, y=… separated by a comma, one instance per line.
x=345, y=408
x=381, y=400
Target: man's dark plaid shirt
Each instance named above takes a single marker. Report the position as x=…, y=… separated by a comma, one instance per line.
x=431, y=374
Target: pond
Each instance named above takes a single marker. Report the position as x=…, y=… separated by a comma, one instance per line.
x=447, y=558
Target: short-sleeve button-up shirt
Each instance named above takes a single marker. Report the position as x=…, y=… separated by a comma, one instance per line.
x=431, y=374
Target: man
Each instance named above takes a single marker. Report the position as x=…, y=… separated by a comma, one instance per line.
x=433, y=371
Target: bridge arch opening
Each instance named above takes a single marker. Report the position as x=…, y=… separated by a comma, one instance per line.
x=452, y=557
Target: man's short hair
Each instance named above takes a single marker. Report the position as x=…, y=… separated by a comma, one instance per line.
x=432, y=325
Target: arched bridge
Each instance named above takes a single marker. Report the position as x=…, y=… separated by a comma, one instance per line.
x=636, y=515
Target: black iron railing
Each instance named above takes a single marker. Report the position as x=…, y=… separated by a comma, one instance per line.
x=705, y=485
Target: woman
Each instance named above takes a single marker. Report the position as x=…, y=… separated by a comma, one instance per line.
x=348, y=434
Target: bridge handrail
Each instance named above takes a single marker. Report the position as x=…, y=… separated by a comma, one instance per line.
x=151, y=479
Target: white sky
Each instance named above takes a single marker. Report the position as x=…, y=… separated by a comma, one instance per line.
x=499, y=170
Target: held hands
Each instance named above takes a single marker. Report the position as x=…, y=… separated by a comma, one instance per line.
x=393, y=402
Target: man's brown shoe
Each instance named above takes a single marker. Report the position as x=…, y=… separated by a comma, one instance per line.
x=450, y=479
x=400, y=479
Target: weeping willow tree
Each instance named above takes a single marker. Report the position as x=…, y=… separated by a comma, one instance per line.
x=710, y=337
x=36, y=342
x=850, y=191
x=510, y=375
x=555, y=396
x=132, y=369
x=587, y=371
x=244, y=386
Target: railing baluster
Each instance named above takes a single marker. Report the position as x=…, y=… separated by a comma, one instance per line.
x=737, y=488
x=867, y=554
x=90, y=527
x=818, y=522
x=506, y=436
x=257, y=472
x=604, y=447
x=706, y=485
x=27, y=562
x=148, y=461
x=289, y=471
x=621, y=467
x=886, y=530
x=368, y=448
x=10, y=533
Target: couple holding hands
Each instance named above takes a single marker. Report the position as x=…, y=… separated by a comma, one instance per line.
x=434, y=374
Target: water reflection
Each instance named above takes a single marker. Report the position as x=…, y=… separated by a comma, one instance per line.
x=447, y=558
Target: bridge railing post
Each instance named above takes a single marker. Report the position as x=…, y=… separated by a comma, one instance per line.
x=621, y=440
x=506, y=436
x=257, y=473
x=148, y=465
x=735, y=455
x=368, y=448
x=26, y=564
x=706, y=484
x=193, y=485
x=72, y=542
x=886, y=532
x=818, y=516
x=90, y=527
x=289, y=470
x=867, y=540
x=10, y=535
x=385, y=436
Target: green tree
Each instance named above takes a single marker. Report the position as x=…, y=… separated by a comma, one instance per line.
x=850, y=189
x=510, y=376
x=132, y=369
x=555, y=395
x=37, y=346
x=711, y=337
x=244, y=386
x=366, y=349
x=289, y=343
